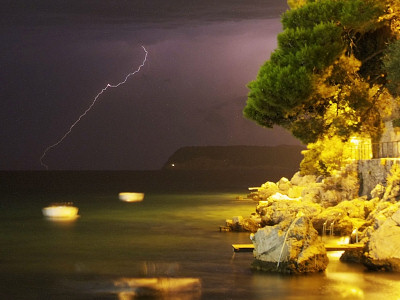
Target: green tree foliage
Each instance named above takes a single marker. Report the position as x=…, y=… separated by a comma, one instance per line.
x=392, y=67
x=326, y=78
x=324, y=157
x=296, y=3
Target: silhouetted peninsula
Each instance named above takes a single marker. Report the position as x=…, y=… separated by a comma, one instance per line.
x=236, y=157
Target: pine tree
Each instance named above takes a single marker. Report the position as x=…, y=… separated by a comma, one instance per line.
x=333, y=73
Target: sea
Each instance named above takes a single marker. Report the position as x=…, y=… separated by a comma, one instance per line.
x=145, y=250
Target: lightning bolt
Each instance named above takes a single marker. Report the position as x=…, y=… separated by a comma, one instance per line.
x=89, y=108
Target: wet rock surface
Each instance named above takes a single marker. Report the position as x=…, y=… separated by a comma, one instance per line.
x=382, y=251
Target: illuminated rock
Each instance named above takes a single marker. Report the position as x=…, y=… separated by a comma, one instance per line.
x=343, y=218
x=342, y=186
x=378, y=191
x=277, y=211
x=330, y=198
x=240, y=224
x=306, y=180
x=313, y=193
x=250, y=224
x=292, y=246
x=267, y=189
x=237, y=220
x=284, y=185
x=382, y=251
x=356, y=208
x=392, y=192
x=295, y=191
x=279, y=196
x=382, y=211
x=337, y=189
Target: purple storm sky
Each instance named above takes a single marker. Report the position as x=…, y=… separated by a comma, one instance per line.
x=56, y=56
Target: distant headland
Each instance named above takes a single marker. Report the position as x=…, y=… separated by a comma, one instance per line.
x=286, y=157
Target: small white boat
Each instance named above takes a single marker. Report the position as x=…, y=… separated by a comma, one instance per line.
x=131, y=197
x=60, y=211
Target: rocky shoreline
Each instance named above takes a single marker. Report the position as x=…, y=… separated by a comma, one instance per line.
x=291, y=215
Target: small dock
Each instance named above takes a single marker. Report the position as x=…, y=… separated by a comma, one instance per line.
x=243, y=247
x=328, y=247
x=344, y=247
x=254, y=188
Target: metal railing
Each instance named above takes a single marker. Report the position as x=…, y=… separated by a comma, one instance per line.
x=375, y=150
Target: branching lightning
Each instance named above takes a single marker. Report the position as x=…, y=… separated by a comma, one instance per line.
x=89, y=108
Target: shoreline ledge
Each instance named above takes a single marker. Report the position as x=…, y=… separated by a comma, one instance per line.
x=291, y=216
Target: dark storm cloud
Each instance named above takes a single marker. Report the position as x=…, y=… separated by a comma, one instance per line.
x=191, y=91
x=150, y=11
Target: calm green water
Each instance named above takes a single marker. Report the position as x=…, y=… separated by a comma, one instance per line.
x=169, y=234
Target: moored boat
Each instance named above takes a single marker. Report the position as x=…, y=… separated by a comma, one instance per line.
x=131, y=197
x=60, y=211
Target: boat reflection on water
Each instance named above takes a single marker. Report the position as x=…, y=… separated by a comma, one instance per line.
x=161, y=287
x=65, y=211
x=131, y=197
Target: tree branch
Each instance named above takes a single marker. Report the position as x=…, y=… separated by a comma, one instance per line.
x=373, y=55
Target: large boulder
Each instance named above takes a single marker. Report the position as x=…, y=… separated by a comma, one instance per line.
x=292, y=246
x=382, y=250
